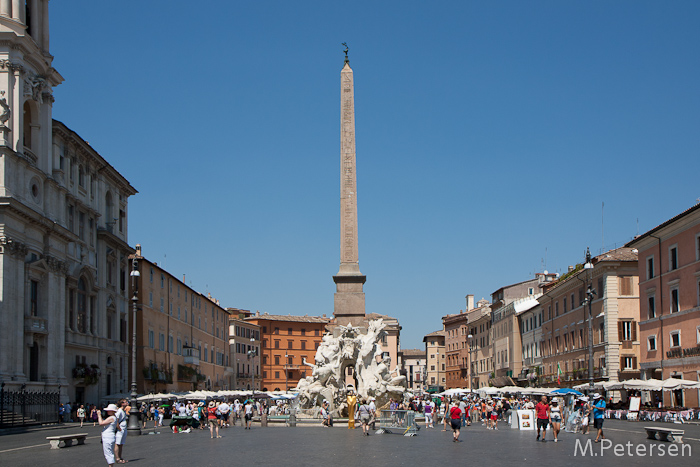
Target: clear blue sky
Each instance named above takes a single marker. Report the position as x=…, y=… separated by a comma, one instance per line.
x=488, y=136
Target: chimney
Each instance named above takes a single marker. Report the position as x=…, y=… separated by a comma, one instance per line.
x=470, y=302
x=138, y=249
x=257, y=313
x=571, y=269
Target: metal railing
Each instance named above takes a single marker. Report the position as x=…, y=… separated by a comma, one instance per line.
x=399, y=422
x=22, y=408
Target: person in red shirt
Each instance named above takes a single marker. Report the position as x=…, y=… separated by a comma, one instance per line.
x=542, y=409
x=211, y=417
x=455, y=414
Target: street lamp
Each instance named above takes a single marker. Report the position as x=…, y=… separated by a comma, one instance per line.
x=286, y=377
x=471, y=376
x=589, y=298
x=251, y=355
x=134, y=427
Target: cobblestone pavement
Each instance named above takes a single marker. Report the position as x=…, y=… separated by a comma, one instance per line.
x=313, y=445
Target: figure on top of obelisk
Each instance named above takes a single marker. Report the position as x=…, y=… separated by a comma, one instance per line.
x=349, y=299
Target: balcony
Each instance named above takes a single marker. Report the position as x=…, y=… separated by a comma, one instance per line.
x=35, y=324
x=191, y=355
x=290, y=366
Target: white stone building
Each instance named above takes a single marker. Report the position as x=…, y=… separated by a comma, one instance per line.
x=63, y=231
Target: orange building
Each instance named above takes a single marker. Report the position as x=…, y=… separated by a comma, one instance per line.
x=287, y=341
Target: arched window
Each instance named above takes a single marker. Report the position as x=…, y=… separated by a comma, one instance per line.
x=82, y=306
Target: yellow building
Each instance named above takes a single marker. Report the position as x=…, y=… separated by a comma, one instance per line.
x=181, y=335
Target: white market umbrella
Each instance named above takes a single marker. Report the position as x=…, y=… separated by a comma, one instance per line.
x=672, y=384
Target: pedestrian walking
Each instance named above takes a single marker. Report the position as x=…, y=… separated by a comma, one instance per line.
x=248, y=414
x=598, y=416
x=81, y=414
x=109, y=432
x=555, y=418
x=542, y=409
x=585, y=415
x=428, y=415
x=365, y=416
x=455, y=415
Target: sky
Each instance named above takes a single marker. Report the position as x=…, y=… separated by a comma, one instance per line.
x=494, y=139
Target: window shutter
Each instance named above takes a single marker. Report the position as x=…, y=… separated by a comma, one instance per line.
x=633, y=324
x=634, y=362
x=622, y=363
x=619, y=331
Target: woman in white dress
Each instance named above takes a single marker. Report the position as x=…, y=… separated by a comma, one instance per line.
x=109, y=430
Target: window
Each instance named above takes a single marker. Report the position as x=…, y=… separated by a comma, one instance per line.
x=277, y=330
x=162, y=305
x=303, y=345
x=289, y=331
x=601, y=288
x=675, y=338
x=697, y=335
x=556, y=309
x=675, y=303
x=650, y=267
x=573, y=304
x=289, y=344
x=303, y=331
x=315, y=332
x=673, y=258
x=151, y=339
x=162, y=280
x=277, y=359
x=170, y=344
x=629, y=363
x=565, y=309
x=277, y=374
x=626, y=287
x=161, y=341
x=651, y=306
x=277, y=344
x=627, y=330
x=531, y=291
x=651, y=343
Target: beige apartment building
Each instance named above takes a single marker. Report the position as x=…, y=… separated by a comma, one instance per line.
x=181, y=335
x=669, y=301
x=480, y=349
x=435, y=360
x=530, y=323
x=244, y=350
x=615, y=314
x=505, y=332
x=414, y=369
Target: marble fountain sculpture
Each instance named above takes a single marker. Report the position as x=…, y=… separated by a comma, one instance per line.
x=362, y=351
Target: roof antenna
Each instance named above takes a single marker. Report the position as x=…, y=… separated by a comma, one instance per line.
x=602, y=227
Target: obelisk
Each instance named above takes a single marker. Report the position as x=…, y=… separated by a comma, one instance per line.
x=349, y=298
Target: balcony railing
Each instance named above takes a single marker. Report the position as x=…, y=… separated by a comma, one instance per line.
x=191, y=355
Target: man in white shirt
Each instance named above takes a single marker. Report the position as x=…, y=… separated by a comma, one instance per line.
x=373, y=408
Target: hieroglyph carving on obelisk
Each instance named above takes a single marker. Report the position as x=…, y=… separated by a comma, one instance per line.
x=349, y=260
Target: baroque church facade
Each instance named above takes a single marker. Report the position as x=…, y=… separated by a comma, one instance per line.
x=63, y=232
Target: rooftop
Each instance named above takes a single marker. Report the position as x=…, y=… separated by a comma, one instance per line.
x=413, y=353
x=289, y=318
x=661, y=226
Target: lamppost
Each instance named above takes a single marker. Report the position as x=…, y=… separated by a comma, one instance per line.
x=251, y=355
x=589, y=298
x=134, y=427
x=471, y=376
x=286, y=375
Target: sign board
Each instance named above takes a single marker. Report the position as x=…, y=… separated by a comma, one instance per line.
x=634, y=404
x=526, y=419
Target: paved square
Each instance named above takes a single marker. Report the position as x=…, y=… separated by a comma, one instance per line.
x=312, y=445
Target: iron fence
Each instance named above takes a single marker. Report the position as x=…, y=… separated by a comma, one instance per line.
x=22, y=408
x=398, y=421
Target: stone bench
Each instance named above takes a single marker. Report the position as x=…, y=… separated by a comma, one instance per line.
x=67, y=440
x=663, y=433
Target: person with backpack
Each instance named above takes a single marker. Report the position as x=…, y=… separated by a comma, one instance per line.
x=365, y=413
